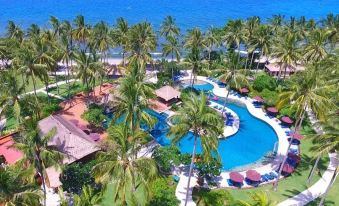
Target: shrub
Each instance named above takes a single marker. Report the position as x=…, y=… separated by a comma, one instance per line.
x=166, y=157
x=218, y=197
x=94, y=115
x=264, y=81
x=76, y=175
x=271, y=97
x=209, y=169
x=163, y=192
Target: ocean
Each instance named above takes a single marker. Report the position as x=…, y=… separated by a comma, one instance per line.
x=188, y=13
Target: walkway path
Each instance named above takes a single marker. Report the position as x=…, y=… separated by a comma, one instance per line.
x=315, y=190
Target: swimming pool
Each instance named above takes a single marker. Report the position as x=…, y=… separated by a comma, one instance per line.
x=198, y=85
x=250, y=144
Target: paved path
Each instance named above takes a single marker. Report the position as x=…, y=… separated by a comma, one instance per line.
x=317, y=189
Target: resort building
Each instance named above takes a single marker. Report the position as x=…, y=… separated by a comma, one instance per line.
x=273, y=69
x=166, y=97
x=75, y=144
x=8, y=154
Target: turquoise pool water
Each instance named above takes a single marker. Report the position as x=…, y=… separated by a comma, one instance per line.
x=188, y=13
x=250, y=144
x=200, y=86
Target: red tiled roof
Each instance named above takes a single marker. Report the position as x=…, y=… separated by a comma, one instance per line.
x=10, y=154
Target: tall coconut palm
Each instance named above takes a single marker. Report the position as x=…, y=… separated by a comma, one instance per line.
x=194, y=42
x=315, y=49
x=33, y=32
x=66, y=55
x=171, y=47
x=211, y=40
x=37, y=152
x=25, y=60
x=306, y=92
x=196, y=116
x=85, y=68
x=276, y=22
x=250, y=26
x=131, y=101
x=100, y=39
x=287, y=51
x=118, y=167
x=231, y=73
x=14, y=32
x=169, y=28
x=142, y=42
x=81, y=32
x=234, y=34
x=120, y=37
x=16, y=188
x=56, y=25
x=327, y=141
x=261, y=39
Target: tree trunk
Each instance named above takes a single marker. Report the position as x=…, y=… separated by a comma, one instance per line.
x=68, y=82
x=48, y=98
x=191, y=168
x=123, y=58
x=34, y=86
x=56, y=81
x=172, y=68
x=259, y=60
x=246, y=61
x=297, y=124
x=251, y=62
x=328, y=187
x=228, y=93
x=313, y=170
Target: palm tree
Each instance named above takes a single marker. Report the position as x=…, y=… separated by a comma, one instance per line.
x=131, y=102
x=261, y=39
x=194, y=41
x=204, y=123
x=81, y=32
x=14, y=32
x=57, y=26
x=100, y=39
x=142, y=40
x=36, y=150
x=172, y=48
x=276, y=22
x=251, y=26
x=169, y=28
x=118, y=166
x=325, y=142
x=315, y=49
x=231, y=74
x=306, y=92
x=16, y=189
x=66, y=54
x=33, y=32
x=287, y=51
x=86, y=66
x=25, y=60
x=234, y=35
x=88, y=197
x=258, y=199
x=120, y=36
x=210, y=41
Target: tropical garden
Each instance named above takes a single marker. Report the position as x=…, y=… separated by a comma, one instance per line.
x=32, y=88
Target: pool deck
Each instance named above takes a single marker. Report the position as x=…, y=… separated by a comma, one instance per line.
x=262, y=169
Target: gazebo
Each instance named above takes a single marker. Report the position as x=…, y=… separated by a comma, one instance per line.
x=168, y=95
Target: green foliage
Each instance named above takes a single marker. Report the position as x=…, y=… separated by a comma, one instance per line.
x=264, y=81
x=185, y=159
x=94, y=115
x=209, y=169
x=206, y=197
x=166, y=157
x=270, y=97
x=163, y=192
x=76, y=175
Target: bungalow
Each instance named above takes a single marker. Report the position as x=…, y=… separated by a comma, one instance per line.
x=166, y=96
x=75, y=144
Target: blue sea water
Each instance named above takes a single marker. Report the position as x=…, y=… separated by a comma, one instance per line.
x=188, y=13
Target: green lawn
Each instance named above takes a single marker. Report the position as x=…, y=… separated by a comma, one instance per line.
x=293, y=184
x=29, y=84
x=73, y=88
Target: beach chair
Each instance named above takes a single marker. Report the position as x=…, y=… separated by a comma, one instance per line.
x=230, y=182
x=176, y=178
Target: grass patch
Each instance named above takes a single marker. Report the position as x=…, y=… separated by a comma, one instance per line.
x=294, y=184
x=29, y=83
x=73, y=88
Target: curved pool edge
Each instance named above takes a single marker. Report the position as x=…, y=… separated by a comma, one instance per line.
x=259, y=114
